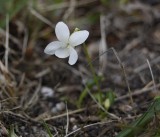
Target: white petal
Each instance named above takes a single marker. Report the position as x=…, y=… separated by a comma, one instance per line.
x=78, y=37
x=62, y=32
x=62, y=52
x=51, y=47
x=73, y=56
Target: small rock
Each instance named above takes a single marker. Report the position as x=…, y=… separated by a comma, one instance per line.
x=34, y=129
x=60, y=106
x=47, y=92
x=54, y=110
x=72, y=120
x=22, y=128
x=74, y=127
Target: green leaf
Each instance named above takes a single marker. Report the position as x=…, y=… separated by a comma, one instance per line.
x=11, y=7
x=89, y=85
x=47, y=129
x=11, y=132
x=105, y=2
x=81, y=98
x=139, y=125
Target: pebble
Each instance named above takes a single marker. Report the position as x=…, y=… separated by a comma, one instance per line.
x=74, y=127
x=47, y=92
x=72, y=120
x=22, y=128
x=60, y=106
x=54, y=110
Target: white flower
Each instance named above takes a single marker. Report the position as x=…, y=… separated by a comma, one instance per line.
x=66, y=43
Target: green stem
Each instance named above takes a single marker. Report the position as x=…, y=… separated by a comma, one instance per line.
x=93, y=72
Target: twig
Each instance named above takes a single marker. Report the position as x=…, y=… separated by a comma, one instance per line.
x=98, y=103
x=7, y=42
x=137, y=92
x=64, y=114
x=125, y=75
x=67, y=126
x=23, y=76
x=103, y=47
x=65, y=5
x=11, y=37
x=56, y=132
x=93, y=60
x=33, y=99
x=8, y=94
x=94, y=124
x=43, y=19
x=18, y=116
x=4, y=131
x=70, y=9
x=144, y=66
x=154, y=83
x=100, y=106
x=25, y=42
x=8, y=99
x=42, y=73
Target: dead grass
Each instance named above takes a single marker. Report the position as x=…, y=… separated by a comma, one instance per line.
x=131, y=69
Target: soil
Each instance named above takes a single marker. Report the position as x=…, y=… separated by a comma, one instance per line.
x=128, y=67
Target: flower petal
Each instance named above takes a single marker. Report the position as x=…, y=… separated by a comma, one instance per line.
x=62, y=52
x=51, y=47
x=62, y=32
x=73, y=56
x=78, y=37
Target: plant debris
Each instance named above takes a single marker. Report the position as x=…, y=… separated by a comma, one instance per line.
x=124, y=48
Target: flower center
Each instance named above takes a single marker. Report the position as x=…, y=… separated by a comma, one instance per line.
x=68, y=45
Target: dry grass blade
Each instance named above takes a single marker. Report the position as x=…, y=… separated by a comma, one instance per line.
x=11, y=37
x=65, y=5
x=40, y=17
x=155, y=89
x=125, y=75
x=94, y=124
x=65, y=114
x=34, y=86
x=138, y=92
x=70, y=10
x=103, y=46
x=43, y=73
x=144, y=66
x=34, y=98
x=7, y=42
x=140, y=123
x=19, y=116
x=6, y=82
x=101, y=107
x=67, y=125
x=4, y=131
x=25, y=42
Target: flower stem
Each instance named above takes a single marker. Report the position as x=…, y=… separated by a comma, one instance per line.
x=93, y=72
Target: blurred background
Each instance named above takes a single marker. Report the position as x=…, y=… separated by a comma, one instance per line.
x=36, y=87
